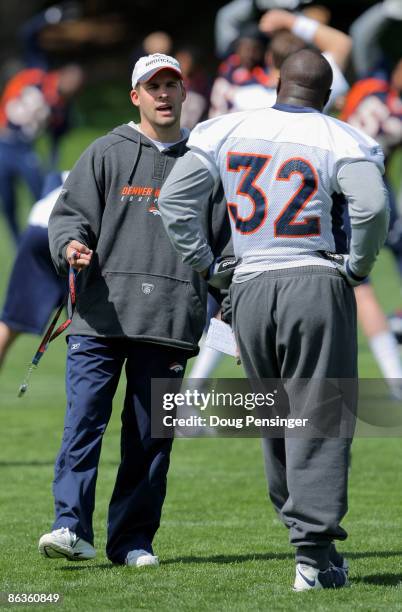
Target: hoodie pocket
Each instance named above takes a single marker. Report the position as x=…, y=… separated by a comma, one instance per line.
x=156, y=306
x=96, y=292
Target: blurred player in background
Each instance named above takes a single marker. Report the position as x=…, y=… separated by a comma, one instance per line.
x=36, y=56
x=233, y=16
x=374, y=104
x=335, y=45
x=34, y=288
x=303, y=29
x=197, y=84
x=369, y=33
x=33, y=100
x=245, y=68
x=294, y=310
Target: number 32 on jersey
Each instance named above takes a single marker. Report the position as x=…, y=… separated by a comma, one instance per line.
x=287, y=223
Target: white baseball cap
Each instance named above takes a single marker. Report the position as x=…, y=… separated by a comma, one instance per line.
x=146, y=67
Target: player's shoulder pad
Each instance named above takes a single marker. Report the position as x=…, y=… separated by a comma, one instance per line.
x=213, y=130
x=353, y=143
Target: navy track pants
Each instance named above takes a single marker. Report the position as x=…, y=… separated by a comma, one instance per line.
x=93, y=370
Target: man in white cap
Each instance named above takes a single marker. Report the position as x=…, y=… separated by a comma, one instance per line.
x=137, y=304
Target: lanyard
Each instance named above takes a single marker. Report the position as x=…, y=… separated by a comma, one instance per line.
x=51, y=335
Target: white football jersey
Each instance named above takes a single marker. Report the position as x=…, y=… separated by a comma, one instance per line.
x=279, y=169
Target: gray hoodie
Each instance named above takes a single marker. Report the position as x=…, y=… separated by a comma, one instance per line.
x=136, y=285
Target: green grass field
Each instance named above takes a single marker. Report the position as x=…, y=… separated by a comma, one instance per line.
x=220, y=544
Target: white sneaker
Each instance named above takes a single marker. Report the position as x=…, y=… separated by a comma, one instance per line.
x=308, y=578
x=65, y=543
x=141, y=558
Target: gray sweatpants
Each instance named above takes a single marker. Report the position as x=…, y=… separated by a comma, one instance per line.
x=301, y=323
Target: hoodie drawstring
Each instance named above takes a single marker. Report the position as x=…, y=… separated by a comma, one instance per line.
x=136, y=157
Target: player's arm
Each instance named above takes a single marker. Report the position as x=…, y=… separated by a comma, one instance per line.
x=325, y=38
x=229, y=20
x=183, y=204
x=75, y=221
x=362, y=184
x=220, y=233
x=366, y=31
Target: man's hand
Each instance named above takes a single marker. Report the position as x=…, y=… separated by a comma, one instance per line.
x=78, y=255
x=275, y=20
x=342, y=264
x=220, y=272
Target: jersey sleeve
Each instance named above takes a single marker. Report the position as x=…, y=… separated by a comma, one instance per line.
x=353, y=145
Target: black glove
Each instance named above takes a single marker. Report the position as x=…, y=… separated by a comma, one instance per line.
x=220, y=272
